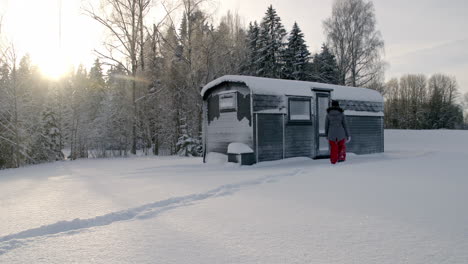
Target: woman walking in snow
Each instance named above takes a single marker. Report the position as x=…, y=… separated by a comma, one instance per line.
x=337, y=132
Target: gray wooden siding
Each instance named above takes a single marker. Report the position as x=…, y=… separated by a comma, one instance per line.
x=270, y=137
x=223, y=128
x=367, y=134
x=299, y=140
x=267, y=102
x=204, y=127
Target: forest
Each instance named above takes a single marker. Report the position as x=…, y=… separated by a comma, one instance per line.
x=142, y=94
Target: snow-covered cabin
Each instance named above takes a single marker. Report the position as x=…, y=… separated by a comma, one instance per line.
x=280, y=119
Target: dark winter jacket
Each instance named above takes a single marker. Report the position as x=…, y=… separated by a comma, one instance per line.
x=336, y=127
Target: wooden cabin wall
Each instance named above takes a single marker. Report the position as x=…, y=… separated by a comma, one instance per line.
x=270, y=132
x=300, y=140
x=277, y=137
x=270, y=137
x=223, y=128
x=267, y=102
x=367, y=134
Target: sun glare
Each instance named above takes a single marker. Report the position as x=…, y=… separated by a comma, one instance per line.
x=55, y=33
x=53, y=67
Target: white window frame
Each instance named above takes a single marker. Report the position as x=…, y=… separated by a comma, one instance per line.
x=300, y=99
x=231, y=108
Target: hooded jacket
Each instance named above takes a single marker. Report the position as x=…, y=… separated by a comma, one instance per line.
x=336, y=127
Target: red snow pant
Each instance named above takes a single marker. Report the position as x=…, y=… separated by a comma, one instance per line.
x=337, y=151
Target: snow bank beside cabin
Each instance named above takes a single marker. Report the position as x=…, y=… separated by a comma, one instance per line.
x=216, y=158
x=267, y=86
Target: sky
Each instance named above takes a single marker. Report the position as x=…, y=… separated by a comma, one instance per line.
x=421, y=36
x=32, y=26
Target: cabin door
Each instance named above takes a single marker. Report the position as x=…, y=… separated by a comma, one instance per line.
x=270, y=137
x=321, y=142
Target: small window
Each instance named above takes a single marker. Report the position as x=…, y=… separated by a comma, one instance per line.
x=299, y=110
x=227, y=102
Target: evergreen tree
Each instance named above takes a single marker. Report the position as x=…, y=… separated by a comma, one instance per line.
x=112, y=134
x=324, y=67
x=29, y=95
x=51, y=135
x=253, y=45
x=6, y=133
x=297, y=56
x=271, y=45
x=96, y=76
x=187, y=145
x=96, y=88
x=79, y=112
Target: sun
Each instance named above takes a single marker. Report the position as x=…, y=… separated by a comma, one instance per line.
x=53, y=65
x=54, y=33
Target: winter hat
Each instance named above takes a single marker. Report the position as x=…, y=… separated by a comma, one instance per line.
x=335, y=103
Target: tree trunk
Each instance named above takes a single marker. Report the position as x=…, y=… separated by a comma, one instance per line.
x=17, y=140
x=134, y=128
x=142, y=61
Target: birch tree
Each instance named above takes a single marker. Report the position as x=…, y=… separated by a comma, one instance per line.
x=465, y=108
x=353, y=38
x=415, y=102
x=124, y=21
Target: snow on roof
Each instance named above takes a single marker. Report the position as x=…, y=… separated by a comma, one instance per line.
x=269, y=86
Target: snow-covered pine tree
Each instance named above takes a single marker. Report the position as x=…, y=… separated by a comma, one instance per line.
x=51, y=135
x=187, y=145
x=6, y=132
x=96, y=88
x=296, y=56
x=324, y=67
x=78, y=114
x=112, y=133
x=253, y=45
x=192, y=69
x=271, y=45
x=28, y=95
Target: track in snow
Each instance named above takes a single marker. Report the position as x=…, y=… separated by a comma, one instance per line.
x=150, y=210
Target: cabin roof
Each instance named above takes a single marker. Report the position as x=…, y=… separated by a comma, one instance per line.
x=267, y=86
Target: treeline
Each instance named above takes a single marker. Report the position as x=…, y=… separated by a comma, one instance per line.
x=142, y=94
x=274, y=53
x=146, y=98
x=352, y=55
x=419, y=102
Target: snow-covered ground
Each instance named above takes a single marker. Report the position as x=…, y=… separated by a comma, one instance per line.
x=408, y=205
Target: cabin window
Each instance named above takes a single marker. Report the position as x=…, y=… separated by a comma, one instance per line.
x=227, y=102
x=299, y=110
